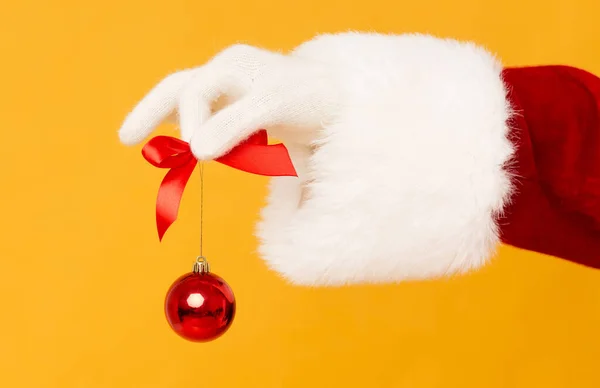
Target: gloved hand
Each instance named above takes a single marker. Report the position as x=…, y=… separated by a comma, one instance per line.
x=399, y=141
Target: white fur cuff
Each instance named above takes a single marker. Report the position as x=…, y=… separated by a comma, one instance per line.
x=408, y=180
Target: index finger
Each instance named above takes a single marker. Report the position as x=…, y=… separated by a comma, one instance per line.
x=154, y=108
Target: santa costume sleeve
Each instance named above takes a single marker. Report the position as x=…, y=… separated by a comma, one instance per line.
x=556, y=132
x=427, y=173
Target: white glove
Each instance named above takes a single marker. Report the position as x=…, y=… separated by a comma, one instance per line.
x=399, y=143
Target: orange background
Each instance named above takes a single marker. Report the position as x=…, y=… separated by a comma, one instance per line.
x=83, y=276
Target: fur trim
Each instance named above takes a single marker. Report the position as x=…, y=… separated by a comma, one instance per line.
x=408, y=181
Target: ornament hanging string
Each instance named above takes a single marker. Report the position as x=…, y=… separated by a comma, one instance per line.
x=201, y=169
x=254, y=155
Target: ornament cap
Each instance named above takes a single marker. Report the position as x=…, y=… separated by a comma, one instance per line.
x=201, y=265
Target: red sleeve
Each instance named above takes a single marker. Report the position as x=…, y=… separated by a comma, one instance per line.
x=556, y=128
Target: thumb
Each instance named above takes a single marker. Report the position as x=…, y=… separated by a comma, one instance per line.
x=233, y=124
x=299, y=108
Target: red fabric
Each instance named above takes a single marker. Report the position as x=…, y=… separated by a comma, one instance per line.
x=556, y=206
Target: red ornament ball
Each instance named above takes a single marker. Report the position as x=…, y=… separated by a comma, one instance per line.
x=200, y=307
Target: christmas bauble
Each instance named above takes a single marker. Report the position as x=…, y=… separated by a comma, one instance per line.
x=200, y=306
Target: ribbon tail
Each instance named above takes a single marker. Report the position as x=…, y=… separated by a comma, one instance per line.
x=260, y=159
x=170, y=194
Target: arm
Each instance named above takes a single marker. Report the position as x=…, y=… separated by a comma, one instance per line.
x=404, y=146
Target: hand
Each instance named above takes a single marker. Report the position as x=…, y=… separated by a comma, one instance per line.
x=399, y=143
x=290, y=96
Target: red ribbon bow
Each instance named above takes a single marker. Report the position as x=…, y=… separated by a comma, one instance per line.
x=255, y=156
